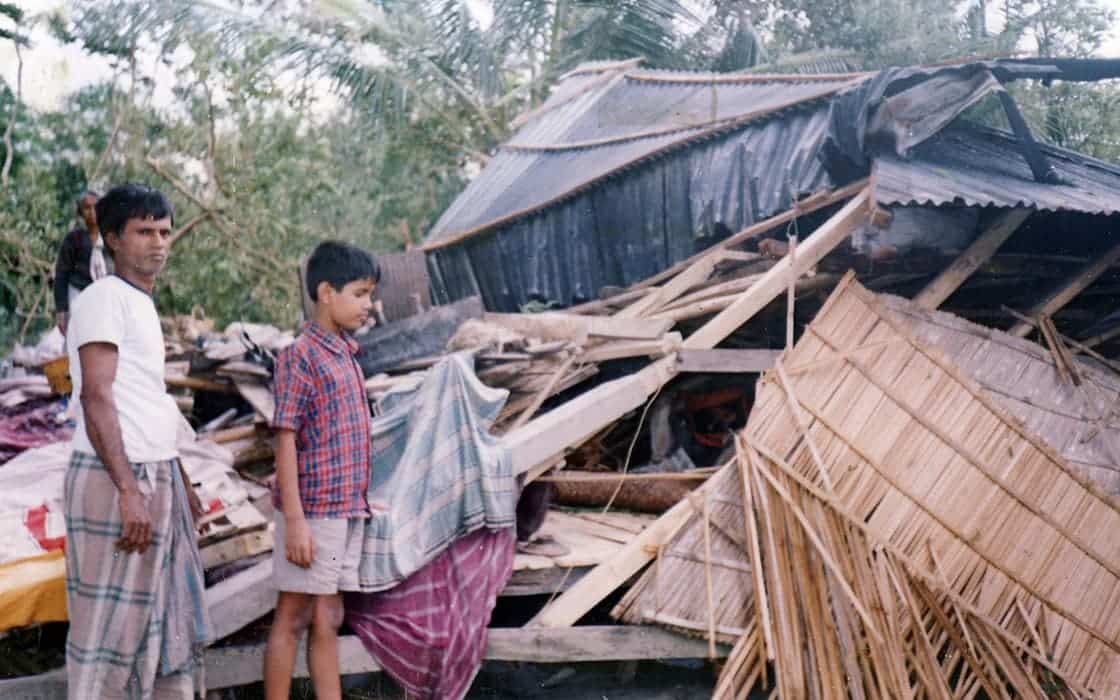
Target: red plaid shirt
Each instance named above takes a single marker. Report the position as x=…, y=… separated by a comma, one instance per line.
x=321, y=395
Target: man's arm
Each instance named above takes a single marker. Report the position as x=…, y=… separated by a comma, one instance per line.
x=99, y=368
x=300, y=546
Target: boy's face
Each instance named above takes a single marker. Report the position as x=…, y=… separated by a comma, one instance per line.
x=348, y=307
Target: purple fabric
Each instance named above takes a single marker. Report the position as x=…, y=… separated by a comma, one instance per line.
x=29, y=425
x=429, y=632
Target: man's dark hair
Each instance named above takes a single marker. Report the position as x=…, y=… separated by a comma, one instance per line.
x=78, y=201
x=339, y=264
x=130, y=201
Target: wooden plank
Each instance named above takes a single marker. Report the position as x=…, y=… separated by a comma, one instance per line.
x=1069, y=289
x=981, y=250
x=668, y=343
x=199, y=384
x=806, y=206
x=822, y=241
x=554, y=579
x=258, y=396
x=557, y=325
x=44, y=686
x=726, y=360
x=545, y=440
x=574, y=603
x=539, y=443
x=404, y=281
x=237, y=547
x=241, y=599
x=693, y=275
x=234, y=666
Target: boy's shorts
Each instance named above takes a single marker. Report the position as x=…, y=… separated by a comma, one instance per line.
x=338, y=549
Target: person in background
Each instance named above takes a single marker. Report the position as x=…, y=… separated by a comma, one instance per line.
x=322, y=424
x=134, y=586
x=81, y=259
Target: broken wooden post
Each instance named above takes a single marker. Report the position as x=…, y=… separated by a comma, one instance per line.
x=979, y=252
x=770, y=285
x=609, y=575
x=1069, y=289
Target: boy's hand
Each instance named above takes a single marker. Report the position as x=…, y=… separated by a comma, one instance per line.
x=300, y=546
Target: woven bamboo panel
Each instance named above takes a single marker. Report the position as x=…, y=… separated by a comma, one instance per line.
x=920, y=541
x=1081, y=422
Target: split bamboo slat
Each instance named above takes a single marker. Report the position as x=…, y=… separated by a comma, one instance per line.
x=905, y=535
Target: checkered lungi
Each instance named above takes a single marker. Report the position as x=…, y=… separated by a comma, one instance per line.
x=133, y=617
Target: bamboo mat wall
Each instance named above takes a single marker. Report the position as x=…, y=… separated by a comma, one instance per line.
x=921, y=542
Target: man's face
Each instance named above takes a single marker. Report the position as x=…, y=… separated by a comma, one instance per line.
x=349, y=306
x=87, y=210
x=142, y=247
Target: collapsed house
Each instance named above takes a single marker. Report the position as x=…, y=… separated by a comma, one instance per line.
x=857, y=493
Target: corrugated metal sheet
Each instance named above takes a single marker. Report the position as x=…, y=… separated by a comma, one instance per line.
x=973, y=167
x=623, y=173
x=604, y=124
x=627, y=228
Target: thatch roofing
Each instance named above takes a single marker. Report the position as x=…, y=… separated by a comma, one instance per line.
x=903, y=529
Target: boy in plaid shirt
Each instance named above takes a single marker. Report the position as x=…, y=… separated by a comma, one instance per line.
x=322, y=425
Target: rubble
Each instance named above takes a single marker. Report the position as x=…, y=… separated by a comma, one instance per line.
x=856, y=494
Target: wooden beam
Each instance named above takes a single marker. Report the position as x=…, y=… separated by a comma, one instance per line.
x=548, y=437
x=668, y=343
x=234, y=666
x=979, y=252
x=556, y=325
x=247, y=544
x=822, y=241
x=198, y=383
x=1069, y=289
x=574, y=603
x=1023, y=318
x=555, y=579
x=241, y=599
x=731, y=361
x=571, y=424
x=1099, y=338
x=806, y=206
x=691, y=276
x=229, y=667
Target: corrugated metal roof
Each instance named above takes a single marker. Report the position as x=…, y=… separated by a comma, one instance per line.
x=599, y=123
x=981, y=167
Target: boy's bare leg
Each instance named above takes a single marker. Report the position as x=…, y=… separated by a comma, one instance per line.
x=322, y=647
x=293, y=614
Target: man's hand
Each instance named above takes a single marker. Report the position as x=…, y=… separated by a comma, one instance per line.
x=300, y=547
x=136, y=524
x=197, y=509
x=60, y=319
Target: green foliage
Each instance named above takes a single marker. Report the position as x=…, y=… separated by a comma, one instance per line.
x=425, y=91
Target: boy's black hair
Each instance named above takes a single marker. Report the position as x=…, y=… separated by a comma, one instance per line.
x=78, y=201
x=130, y=201
x=339, y=264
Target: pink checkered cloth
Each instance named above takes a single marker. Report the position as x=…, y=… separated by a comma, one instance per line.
x=429, y=632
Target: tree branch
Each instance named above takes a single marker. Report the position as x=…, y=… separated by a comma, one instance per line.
x=118, y=119
x=188, y=227
x=222, y=226
x=9, y=149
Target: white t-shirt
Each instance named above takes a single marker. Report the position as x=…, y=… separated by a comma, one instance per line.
x=113, y=311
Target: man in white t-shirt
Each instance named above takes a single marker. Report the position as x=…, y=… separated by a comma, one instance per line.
x=138, y=621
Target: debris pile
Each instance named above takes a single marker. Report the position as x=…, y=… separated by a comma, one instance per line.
x=889, y=527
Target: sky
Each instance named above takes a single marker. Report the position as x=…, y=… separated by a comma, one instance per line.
x=53, y=70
